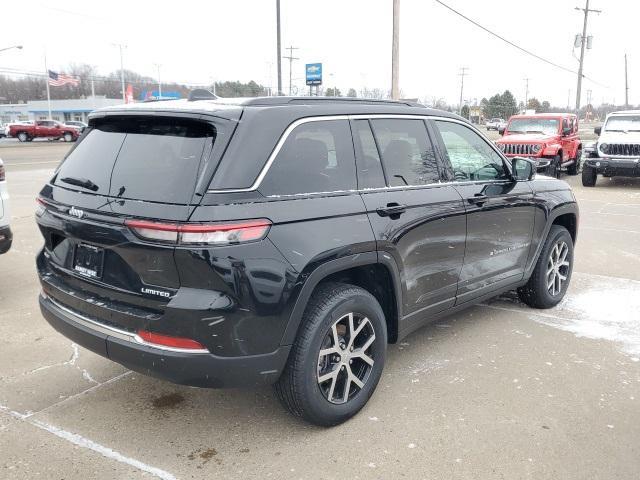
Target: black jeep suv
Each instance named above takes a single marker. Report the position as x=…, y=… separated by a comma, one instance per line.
x=286, y=241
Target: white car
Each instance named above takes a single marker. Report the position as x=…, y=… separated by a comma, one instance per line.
x=75, y=124
x=617, y=151
x=494, y=123
x=5, y=231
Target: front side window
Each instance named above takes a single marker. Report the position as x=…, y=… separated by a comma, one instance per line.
x=407, y=152
x=316, y=157
x=471, y=157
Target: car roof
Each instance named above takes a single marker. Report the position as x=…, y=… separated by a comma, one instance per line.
x=302, y=106
x=626, y=112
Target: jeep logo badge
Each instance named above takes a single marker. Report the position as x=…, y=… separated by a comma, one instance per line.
x=76, y=212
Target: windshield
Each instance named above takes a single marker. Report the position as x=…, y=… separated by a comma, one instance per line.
x=623, y=124
x=547, y=126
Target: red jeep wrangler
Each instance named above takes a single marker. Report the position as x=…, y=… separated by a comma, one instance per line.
x=550, y=139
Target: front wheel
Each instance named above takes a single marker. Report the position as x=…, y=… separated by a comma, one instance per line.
x=550, y=278
x=23, y=137
x=337, y=360
x=589, y=176
x=553, y=169
x=575, y=168
x=68, y=137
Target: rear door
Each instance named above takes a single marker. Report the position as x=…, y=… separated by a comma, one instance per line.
x=417, y=220
x=499, y=211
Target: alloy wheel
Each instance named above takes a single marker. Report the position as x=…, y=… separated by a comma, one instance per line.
x=557, y=268
x=346, y=359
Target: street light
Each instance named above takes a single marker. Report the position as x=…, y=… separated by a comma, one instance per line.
x=19, y=47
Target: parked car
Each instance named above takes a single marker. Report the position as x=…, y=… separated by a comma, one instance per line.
x=549, y=139
x=186, y=244
x=494, y=123
x=5, y=230
x=617, y=151
x=44, y=129
x=75, y=124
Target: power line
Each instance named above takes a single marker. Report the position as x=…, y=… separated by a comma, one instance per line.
x=522, y=49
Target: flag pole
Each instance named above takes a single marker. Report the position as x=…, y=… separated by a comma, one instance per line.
x=46, y=71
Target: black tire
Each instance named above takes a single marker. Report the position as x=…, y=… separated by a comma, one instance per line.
x=589, y=176
x=300, y=389
x=553, y=170
x=23, y=137
x=538, y=293
x=575, y=168
x=68, y=137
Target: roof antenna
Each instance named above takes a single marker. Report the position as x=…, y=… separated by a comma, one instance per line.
x=201, y=94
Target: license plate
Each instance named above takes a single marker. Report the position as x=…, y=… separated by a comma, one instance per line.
x=88, y=260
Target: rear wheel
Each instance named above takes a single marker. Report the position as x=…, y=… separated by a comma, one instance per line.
x=68, y=137
x=336, y=361
x=575, y=168
x=589, y=176
x=23, y=137
x=550, y=278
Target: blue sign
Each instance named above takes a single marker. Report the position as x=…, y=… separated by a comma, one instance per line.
x=313, y=73
x=153, y=95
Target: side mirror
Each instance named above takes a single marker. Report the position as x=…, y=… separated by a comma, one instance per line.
x=522, y=169
x=566, y=131
x=597, y=130
x=501, y=130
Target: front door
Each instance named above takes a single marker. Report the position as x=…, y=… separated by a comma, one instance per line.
x=499, y=211
x=417, y=220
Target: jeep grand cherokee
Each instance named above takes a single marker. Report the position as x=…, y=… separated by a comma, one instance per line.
x=287, y=241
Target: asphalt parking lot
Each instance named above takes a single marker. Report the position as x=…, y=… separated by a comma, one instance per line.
x=497, y=391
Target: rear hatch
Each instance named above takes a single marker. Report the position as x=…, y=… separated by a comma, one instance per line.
x=126, y=167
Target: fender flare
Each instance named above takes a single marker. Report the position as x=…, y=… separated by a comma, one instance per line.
x=557, y=211
x=328, y=268
x=551, y=150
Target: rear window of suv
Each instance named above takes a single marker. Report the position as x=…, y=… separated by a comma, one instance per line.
x=142, y=158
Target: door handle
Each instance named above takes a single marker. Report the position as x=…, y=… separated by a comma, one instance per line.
x=391, y=209
x=478, y=198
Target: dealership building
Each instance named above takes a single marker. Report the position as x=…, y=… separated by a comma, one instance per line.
x=61, y=110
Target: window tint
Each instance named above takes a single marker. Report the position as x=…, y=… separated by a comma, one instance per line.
x=142, y=158
x=370, y=173
x=407, y=153
x=471, y=157
x=316, y=157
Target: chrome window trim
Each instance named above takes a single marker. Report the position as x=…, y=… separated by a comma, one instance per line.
x=302, y=121
x=115, y=332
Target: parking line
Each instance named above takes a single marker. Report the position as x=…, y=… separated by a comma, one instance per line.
x=84, y=442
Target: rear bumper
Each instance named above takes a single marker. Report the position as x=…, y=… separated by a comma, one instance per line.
x=615, y=167
x=6, y=237
x=186, y=368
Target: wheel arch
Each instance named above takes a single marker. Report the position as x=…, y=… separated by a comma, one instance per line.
x=376, y=273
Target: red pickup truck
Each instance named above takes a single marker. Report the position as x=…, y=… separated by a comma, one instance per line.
x=44, y=129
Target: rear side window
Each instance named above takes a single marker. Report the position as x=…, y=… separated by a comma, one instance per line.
x=142, y=158
x=407, y=152
x=370, y=173
x=316, y=157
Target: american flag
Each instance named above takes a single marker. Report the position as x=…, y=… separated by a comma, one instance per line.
x=59, y=79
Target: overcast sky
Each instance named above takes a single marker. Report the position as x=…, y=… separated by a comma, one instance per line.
x=196, y=41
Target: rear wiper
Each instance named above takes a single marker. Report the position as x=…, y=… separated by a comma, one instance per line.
x=81, y=182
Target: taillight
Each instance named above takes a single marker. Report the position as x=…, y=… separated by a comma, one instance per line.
x=169, y=341
x=2, y=174
x=41, y=207
x=201, y=233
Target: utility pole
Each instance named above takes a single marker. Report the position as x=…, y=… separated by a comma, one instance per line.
x=526, y=93
x=291, y=58
x=159, y=83
x=395, y=52
x=121, y=46
x=626, y=83
x=462, y=74
x=279, y=48
x=583, y=43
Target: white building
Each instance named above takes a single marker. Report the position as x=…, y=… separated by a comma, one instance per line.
x=61, y=110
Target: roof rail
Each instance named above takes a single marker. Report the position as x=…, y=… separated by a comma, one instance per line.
x=201, y=94
x=311, y=100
